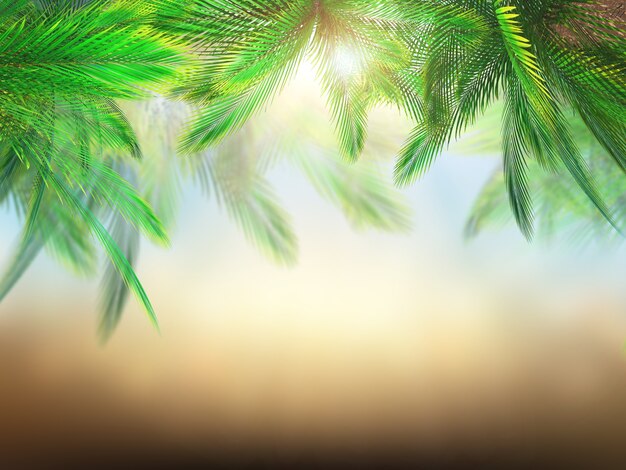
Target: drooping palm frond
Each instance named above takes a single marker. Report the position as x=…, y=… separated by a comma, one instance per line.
x=62, y=65
x=81, y=55
x=562, y=210
x=454, y=34
x=248, y=51
x=243, y=63
x=234, y=174
x=67, y=213
x=524, y=54
x=363, y=191
x=114, y=287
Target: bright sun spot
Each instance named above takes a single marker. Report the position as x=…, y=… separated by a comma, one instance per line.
x=347, y=61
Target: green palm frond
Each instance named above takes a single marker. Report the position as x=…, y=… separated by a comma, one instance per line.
x=562, y=210
x=243, y=63
x=523, y=56
x=454, y=35
x=248, y=51
x=62, y=65
x=359, y=52
x=114, y=287
x=232, y=175
x=366, y=199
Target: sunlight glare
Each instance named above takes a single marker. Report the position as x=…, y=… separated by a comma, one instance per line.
x=347, y=61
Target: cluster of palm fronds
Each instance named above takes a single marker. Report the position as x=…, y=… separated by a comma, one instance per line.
x=563, y=212
x=63, y=65
x=71, y=162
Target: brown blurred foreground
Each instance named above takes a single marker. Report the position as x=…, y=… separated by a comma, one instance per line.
x=490, y=397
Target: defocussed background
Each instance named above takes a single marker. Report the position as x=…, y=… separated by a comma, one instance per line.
x=374, y=344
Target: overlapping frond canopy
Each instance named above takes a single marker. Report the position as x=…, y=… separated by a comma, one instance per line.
x=62, y=66
x=520, y=57
x=69, y=157
x=441, y=62
x=564, y=213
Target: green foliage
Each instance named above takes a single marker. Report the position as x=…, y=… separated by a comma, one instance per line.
x=443, y=63
x=247, y=51
x=62, y=65
x=563, y=211
x=74, y=74
x=520, y=56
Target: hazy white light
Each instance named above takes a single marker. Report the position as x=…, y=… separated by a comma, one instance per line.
x=347, y=61
x=307, y=73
